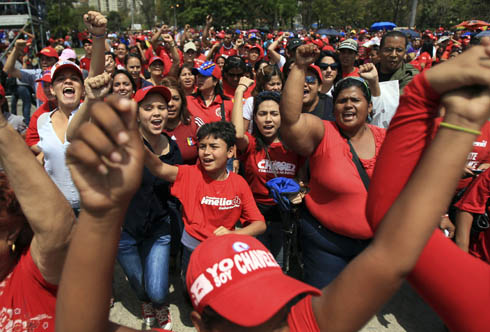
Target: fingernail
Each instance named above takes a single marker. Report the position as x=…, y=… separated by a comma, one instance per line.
x=122, y=137
x=116, y=157
x=103, y=169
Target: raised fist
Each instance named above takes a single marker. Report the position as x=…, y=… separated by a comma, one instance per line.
x=306, y=55
x=96, y=88
x=95, y=22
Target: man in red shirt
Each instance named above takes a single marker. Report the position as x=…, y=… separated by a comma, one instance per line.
x=85, y=60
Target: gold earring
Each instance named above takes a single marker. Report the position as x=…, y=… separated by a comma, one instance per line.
x=13, y=247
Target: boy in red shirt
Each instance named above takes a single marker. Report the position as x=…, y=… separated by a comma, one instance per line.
x=213, y=199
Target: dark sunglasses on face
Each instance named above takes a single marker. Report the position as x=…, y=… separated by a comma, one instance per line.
x=324, y=66
x=310, y=79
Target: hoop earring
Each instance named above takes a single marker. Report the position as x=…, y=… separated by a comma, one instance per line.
x=13, y=247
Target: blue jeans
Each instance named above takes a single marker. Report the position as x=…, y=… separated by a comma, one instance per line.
x=273, y=237
x=24, y=93
x=325, y=253
x=145, y=263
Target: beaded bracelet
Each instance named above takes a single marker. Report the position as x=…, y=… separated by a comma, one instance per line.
x=459, y=128
x=98, y=36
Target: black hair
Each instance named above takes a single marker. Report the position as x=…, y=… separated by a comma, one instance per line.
x=259, y=63
x=264, y=76
x=220, y=129
x=171, y=83
x=234, y=62
x=427, y=47
x=134, y=55
x=111, y=54
x=128, y=75
x=259, y=99
x=349, y=82
x=393, y=34
x=286, y=68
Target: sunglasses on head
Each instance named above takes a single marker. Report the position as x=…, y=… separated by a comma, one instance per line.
x=333, y=66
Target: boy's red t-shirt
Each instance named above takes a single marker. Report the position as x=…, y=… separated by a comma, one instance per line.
x=27, y=301
x=208, y=204
x=259, y=169
x=301, y=317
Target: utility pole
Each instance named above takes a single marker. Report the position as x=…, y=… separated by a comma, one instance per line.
x=413, y=13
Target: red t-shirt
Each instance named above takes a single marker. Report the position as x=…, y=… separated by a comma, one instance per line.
x=167, y=60
x=455, y=284
x=474, y=200
x=301, y=317
x=27, y=301
x=259, y=169
x=229, y=91
x=208, y=204
x=32, y=136
x=337, y=186
x=355, y=73
x=199, y=60
x=85, y=63
x=185, y=137
x=207, y=114
x=424, y=58
x=226, y=51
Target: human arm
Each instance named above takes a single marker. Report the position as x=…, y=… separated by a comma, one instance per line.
x=271, y=49
x=205, y=31
x=379, y=270
x=96, y=88
x=172, y=48
x=96, y=24
x=253, y=229
x=301, y=132
x=368, y=72
x=212, y=52
x=442, y=264
x=9, y=67
x=154, y=39
x=44, y=206
x=464, y=220
x=159, y=168
x=106, y=183
x=237, y=113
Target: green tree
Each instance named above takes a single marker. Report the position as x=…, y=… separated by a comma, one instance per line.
x=114, y=21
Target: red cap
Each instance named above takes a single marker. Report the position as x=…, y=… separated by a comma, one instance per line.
x=62, y=64
x=233, y=273
x=155, y=58
x=220, y=35
x=49, y=52
x=141, y=93
x=317, y=71
x=318, y=43
x=2, y=91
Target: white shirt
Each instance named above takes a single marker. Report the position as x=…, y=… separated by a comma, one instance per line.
x=54, y=158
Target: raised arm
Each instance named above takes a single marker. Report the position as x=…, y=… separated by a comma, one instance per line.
x=154, y=39
x=96, y=24
x=96, y=88
x=237, y=113
x=301, y=132
x=205, y=31
x=410, y=220
x=105, y=160
x=370, y=74
x=9, y=67
x=158, y=168
x=271, y=49
x=172, y=49
x=46, y=209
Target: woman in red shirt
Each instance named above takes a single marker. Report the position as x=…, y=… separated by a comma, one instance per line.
x=334, y=228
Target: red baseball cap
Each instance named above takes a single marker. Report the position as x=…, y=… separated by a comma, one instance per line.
x=2, y=91
x=208, y=69
x=62, y=64
x=49, y=52
x=317, y=71
x=141, y=93
x=155, y=58
x=233, y=273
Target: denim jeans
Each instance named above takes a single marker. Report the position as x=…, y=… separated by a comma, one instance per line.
x=145, y=263
x=273, y=237
x=24, y=93
x=186, y=257
x=325, y=253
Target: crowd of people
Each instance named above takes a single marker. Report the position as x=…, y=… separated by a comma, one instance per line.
x=158, y=146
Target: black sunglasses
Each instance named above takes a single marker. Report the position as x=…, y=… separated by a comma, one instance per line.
x=333, y=66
